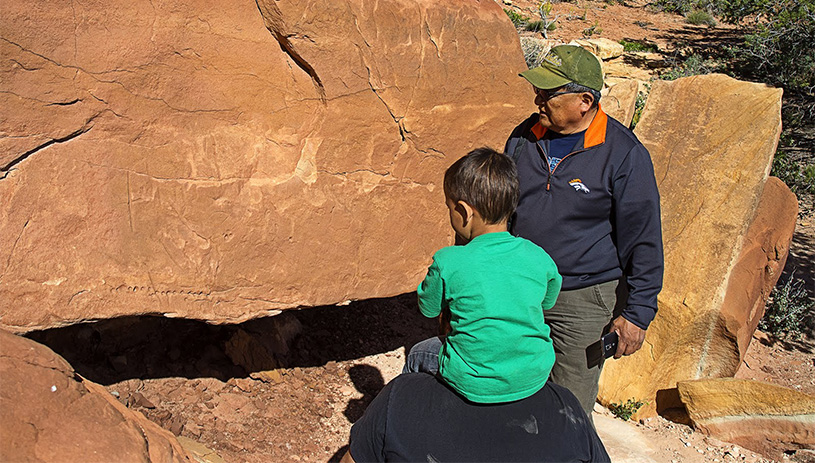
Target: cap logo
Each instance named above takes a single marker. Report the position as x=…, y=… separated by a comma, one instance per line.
x=553, y=59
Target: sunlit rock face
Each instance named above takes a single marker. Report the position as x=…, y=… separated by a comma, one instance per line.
x=224, y=161
x=712, y=139
x=762, y=417
x=51, y=414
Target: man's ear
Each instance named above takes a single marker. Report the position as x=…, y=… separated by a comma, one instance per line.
x=586, y=100
x=466, y=211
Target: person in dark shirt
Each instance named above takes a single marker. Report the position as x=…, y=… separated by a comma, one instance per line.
x=417, y=417
x=590, y=199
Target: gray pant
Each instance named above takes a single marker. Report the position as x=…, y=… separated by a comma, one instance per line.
x=578, y=320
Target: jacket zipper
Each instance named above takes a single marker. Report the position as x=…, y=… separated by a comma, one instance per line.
x=552, y=171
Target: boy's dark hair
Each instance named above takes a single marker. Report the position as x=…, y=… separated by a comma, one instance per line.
x=486, y=180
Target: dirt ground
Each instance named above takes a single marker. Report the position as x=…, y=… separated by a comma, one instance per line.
x=178, y=374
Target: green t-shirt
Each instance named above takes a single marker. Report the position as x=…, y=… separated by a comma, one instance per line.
x=496, y=287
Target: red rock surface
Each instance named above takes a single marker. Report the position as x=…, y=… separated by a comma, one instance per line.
x=763, y=255
x=51, y=414
x=224, y=161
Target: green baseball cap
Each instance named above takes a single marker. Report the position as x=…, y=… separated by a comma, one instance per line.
x=564, y=64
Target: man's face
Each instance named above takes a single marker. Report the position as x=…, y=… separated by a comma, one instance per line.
x=560, y=111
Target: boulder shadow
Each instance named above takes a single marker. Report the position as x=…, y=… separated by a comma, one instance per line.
x=146, y=347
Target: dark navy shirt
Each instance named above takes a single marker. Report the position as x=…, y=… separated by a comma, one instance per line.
x=557, y=146
x=416, y=417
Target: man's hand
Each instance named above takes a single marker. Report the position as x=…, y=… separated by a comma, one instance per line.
x=631, y=336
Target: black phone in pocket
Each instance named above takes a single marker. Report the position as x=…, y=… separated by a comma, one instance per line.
x=609, y=344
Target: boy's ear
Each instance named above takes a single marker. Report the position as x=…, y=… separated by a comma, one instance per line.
x=465, y=210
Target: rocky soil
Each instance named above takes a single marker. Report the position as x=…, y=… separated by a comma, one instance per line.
x=178, y=374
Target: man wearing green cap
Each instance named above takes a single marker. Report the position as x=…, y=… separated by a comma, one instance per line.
x=589, y=198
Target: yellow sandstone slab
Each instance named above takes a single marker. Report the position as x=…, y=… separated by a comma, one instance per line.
x=712, y=139
x=759, y=416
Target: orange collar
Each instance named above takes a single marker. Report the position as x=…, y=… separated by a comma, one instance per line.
x=595, y=134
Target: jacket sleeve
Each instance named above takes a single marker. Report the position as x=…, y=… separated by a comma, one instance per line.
x=638, y=231
x=431, y=291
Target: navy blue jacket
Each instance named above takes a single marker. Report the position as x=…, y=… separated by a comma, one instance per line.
x=597, y=213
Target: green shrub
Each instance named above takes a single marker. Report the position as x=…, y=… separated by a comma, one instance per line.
x=626, y=411
x=594, y=29
x=540, y=26
x=693, y=65
x=700, y=18
x=639, y=104
x=779, y=48
x=633, y=45
x=518, y=20
x=686, y=6
x=797, y=174
x=788, y=310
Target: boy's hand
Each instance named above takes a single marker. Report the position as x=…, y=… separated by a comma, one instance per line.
x=631, y=336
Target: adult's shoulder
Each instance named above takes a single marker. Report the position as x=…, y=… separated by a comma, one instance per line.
x=524, y=127
x=407, y=386
x=618, y=133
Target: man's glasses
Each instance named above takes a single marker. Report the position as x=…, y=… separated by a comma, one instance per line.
x=546, y=96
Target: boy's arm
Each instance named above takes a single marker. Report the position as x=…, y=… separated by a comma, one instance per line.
x=431, y=292
x=552, y=291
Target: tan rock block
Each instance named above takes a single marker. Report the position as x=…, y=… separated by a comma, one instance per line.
x=51, y=414
x=226, y=162
x=620, y=101
x=711, y=139
x=762, y=417
x=641, y=69
x=602, y=48
x=200, y=452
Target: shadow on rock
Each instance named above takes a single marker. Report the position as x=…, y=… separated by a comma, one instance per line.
x=110, y=351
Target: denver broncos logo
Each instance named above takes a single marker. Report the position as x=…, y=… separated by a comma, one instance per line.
x=578, y=186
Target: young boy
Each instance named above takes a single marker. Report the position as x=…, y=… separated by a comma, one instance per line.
x=495, y=287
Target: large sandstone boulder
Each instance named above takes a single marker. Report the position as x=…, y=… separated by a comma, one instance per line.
x=712, y=139
x=762, y=417
x=51, y=414
x=223, y=161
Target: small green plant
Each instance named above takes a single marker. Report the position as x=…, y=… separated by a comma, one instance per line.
x=547, y=22
x=787, y=312
x=634, y=46
x=540, y=26
x=626, y=411
x=798, y=175
x=518, y=20
x=594, y=29
x=686, y=6
x=639, y=104
x=693, y=65
x=700, y=18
